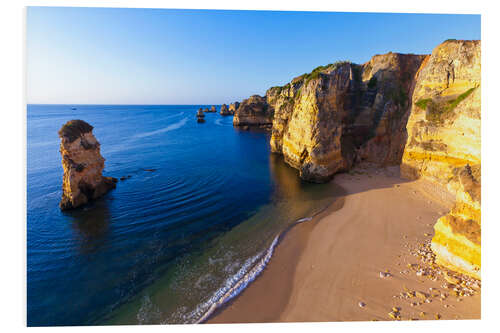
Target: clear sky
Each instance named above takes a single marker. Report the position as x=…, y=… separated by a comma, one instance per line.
x=159, y=56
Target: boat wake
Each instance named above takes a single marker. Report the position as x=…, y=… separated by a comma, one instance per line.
x=169, y=128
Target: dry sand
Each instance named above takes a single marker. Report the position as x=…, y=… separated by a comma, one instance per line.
x=324, y=268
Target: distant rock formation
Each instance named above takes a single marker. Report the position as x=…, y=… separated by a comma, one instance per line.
x=224, y=111
x=82, y=165
x=444, y=146
x=254, y=111
x=211, y=110
x=233, y=107
x=200, y=116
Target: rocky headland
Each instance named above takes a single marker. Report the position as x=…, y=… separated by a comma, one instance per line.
x=82, y=165
x=421, y=112
x=254, y=112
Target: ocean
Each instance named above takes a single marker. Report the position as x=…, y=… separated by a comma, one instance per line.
x=193, y=225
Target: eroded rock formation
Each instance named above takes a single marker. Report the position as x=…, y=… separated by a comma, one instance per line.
x=200, y=116
x=325, y=119
x=254, y=111
x=444, y=146
x=224, y=111
x=82, y=165
x=233, y=107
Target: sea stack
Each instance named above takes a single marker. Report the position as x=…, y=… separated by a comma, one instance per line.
x=233, y=107
x=224, y=111
x=82, y=165
x=200, y=115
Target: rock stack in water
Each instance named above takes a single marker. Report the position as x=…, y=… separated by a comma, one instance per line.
x=82, y=165
x=254, y=112
x=233, y=107
x=200, y=116
x=224, y=111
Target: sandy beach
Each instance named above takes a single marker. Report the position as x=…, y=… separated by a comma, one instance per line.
x=356, y=261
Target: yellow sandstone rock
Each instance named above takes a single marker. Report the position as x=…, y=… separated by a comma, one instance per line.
x=444, y=146
x=82, y=165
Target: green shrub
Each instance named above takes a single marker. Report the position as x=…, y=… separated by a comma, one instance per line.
x=438, y=112
x=422, y=103
x=453, y=103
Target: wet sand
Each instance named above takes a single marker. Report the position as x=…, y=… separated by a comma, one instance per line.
x=324, y=268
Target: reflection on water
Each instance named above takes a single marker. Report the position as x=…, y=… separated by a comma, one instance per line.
x=91, y=225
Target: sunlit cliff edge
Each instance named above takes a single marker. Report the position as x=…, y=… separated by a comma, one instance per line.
x=420, y=111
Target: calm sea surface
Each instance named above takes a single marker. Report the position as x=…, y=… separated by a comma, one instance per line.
x=165, y=244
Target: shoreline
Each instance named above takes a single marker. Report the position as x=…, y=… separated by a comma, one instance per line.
x=330, y=268
x=289, y=248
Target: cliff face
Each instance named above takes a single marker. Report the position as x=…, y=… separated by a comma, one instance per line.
x=423, y=112
x=233, y=107
x=253, y=111
x=444, y=146
x=82, y=164
x=224, y=111
x=325, y=119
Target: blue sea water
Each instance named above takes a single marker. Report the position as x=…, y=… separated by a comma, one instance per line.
x=199, y=213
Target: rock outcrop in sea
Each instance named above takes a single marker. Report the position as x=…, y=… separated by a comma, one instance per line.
x=224, y=111
x=444, y=146
x=212, y=109
x=200, y=116
x=254, y=111
x=82, y=165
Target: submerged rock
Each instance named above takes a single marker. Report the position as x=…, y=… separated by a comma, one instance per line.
x=82, y=165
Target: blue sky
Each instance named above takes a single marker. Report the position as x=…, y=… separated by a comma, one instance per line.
x=159, y=56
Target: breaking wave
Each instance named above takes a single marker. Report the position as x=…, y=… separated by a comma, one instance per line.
x=234, y=285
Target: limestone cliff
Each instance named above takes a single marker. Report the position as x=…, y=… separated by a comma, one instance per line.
x=233, y=107
x=324, y=119
x=82, y=165
x=253, y=111
x=444, y=146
